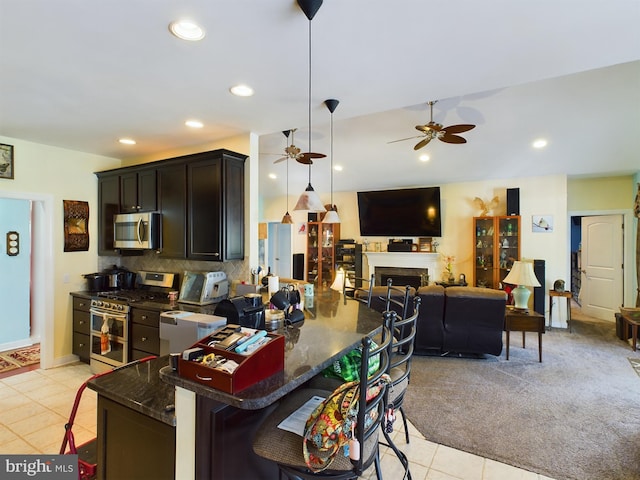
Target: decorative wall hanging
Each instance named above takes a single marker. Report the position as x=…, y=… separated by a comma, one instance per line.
x=6, y=161
x=76, y=226
x=542, y=223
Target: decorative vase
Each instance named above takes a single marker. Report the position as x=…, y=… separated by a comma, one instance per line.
x=452, y=279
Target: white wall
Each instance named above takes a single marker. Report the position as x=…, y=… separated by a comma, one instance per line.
x=538, y=195
x=48, y=175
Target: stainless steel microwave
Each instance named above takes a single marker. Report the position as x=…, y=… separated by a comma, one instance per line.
x=138, y=231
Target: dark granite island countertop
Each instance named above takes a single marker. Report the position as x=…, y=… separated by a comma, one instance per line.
x=332, y=328
x=138, y=386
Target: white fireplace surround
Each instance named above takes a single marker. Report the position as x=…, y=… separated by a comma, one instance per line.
x=430, y=261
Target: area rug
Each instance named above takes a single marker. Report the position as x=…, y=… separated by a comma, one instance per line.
x=6, y=366
x=573, y=416
x=635, y=364
x=22, y=356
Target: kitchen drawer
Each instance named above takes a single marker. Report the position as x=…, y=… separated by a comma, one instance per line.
x=81, y=322
x=81, y=346
x=80, y=303
x=145, y=338
x=145, y=317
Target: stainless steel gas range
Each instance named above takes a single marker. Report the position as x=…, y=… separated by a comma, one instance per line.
x=110, y=318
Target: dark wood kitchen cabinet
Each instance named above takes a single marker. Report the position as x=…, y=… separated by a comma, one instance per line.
x=138, y=191
x=132, y=445
x=215, y=208
x=172, y=204
x=109, y=206
x=200, y=197
x=145, y=334
x=81, y=328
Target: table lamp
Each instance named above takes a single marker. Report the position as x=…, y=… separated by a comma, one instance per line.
x=341, y=281
x=522, y=275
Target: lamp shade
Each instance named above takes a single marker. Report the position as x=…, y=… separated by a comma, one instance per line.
x=339, y=282
x=287, y=218
x=310, y=201
x=331, y=217
x=522, y=274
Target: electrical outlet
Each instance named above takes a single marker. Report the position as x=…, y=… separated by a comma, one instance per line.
x=65, y=278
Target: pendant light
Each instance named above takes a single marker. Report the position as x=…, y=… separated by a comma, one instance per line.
x=287, y=218
x=332, y=214
x=309, y=200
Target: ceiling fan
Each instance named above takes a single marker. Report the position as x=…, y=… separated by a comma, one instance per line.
x=435, y=130
x=294, y=153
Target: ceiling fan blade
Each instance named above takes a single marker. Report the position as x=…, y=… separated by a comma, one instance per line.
x=307, y=157
x=408, y=138
x=452, y=139
x=282, y=159
x=422, y=143
x=458, y=128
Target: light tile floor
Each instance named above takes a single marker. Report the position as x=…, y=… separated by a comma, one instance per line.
x=37, y=404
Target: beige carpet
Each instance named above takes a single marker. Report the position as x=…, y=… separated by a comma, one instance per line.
x=20, y=357
x=574, y=416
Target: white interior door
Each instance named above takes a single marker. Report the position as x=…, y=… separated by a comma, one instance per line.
x=280, y=249
x=601, y=291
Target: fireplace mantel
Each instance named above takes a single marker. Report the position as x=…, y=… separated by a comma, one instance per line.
x=431, y=261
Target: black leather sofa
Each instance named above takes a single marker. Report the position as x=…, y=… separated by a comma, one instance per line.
x=457, y=320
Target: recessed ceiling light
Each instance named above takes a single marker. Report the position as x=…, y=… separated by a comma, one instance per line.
x=424, y=158
x=127, y=141
x=540, y=143
x=194, y=123
x=186, y=30
x=273, y=176
x=241, y=90
x=338, y=168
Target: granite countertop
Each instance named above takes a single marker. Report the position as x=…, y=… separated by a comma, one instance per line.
x=138, y=386
x=161, y=305
x=332, y=328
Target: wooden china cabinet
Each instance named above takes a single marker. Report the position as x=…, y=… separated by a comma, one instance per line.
x=496, y=245
x=321, y=252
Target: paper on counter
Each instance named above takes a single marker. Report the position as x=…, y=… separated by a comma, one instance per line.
x=296, y=421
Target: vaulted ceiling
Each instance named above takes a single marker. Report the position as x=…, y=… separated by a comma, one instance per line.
x=80, y=75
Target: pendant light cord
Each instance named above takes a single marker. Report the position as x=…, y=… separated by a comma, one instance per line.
x=309, y=97
x=331, y=163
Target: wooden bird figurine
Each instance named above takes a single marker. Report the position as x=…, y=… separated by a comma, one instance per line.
x=485, y=208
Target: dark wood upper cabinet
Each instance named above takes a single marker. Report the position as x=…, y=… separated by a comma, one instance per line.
x=138, y=191
x=200, y=197
x=172, y=204
x=109, y=206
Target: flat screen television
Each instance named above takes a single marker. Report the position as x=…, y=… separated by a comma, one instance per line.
x=411, y=212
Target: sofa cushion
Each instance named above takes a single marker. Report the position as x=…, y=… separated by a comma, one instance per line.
x=430, y=325
x=474, y=320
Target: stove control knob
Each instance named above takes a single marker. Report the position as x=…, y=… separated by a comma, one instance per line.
x=99, y=303
x=120, y=307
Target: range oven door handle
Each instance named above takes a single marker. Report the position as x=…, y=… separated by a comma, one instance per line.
x=103, y=314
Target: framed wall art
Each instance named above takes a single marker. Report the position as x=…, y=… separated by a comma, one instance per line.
x=542, y=223
x=76, y=226
x=6, y=161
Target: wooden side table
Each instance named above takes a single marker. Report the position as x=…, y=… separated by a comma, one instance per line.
x=565, y=294
x=630, y=318
x=524, y=321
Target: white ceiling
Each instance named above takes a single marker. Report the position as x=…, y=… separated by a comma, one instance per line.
x=80, y=75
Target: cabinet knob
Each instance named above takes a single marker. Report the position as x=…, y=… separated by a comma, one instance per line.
x=81, y=345
x=143, y=317
x=81, y=304
x=144, y=339
x=81, y=322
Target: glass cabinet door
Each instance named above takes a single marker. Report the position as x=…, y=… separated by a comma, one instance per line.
x=508, y=245
x=484, y=251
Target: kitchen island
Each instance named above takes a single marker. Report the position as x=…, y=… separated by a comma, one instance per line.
x=215, y=428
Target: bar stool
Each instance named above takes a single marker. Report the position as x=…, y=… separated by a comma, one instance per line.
x=566, y=294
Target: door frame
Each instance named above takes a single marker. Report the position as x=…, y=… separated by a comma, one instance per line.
x=628, y=238
x=41, y=270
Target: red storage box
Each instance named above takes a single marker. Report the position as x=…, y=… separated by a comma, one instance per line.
x=260, y=364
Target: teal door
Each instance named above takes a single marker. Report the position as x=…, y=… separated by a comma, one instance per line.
x=15, y=270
